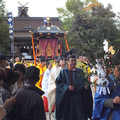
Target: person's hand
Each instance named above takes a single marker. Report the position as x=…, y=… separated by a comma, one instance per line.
x=42, y=74
x=54, y=90
x=71, y=88
x=116, y=100
x=9, y=102
x=86, y=87
x=2, y=112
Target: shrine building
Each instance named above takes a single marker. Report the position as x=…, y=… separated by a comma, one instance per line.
x=23, y=25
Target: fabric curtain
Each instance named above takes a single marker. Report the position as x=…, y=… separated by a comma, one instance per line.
x=43, y=43
x=53, y=43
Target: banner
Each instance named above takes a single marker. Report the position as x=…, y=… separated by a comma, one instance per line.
x=10, y=23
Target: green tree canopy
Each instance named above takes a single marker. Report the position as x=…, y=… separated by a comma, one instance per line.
x=93, y=28
x=89, y=27
x=4, y=30
x=66, y=15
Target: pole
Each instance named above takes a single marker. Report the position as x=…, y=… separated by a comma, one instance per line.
x=67, y=44
x=33, y=50
x=13, y=41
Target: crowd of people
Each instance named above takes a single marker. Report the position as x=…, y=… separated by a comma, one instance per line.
x=27, y=91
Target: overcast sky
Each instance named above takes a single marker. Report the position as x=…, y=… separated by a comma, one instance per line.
x=44, y=8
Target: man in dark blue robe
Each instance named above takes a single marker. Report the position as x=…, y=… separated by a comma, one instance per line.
x=73, y=97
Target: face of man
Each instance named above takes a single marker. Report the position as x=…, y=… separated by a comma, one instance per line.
x=17, y=59
x=72, y=62
x=55, y=60
x=84, y=59
x=62, y=62
x=80, y=58
x=43, y=64
x=50, y=66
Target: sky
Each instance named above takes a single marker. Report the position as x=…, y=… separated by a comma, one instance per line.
x=45, y=8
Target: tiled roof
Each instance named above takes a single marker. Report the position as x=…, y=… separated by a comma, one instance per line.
x=34, y=22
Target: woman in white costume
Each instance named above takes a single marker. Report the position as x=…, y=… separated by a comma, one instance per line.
x=45, y=84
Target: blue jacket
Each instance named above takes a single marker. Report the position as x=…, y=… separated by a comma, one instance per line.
x=102, y=113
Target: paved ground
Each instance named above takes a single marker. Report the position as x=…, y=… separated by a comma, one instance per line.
x=49, y=117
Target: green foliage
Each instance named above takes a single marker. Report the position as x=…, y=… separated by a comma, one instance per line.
x=66, y=15
x=74, y=6
x=4, y=30
x=92, y=29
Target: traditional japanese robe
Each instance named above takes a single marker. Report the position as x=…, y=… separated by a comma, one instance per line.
x=45, y=88
x=45, y=82
x=76, y=104
x=101, y=112
x=42, y=69
x=52, y=87
x=53, y=64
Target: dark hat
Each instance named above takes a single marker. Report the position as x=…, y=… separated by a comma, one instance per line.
x=42, y=59
x=60, y=58
x=12, y=76
x=32, y=73
x=80, y=55
x=55, y=57
x=40, y=56
x=3, y=57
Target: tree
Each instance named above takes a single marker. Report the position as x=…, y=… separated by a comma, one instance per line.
x=66, y=15
x=93, y=28
x=4, y=30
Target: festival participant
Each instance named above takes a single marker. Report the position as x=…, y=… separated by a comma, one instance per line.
x=7, y=64
x=54, y=60
x=37, y=62
x=8, y=102
x=42, y=68
x=12, y=77
x=52, y=82
x=88, y=66
x=2, y=61
x=73, y=97
x=45, y=84
x=31, y=62
x=84, y=63
x=17, y=60
x=79, y=63
x=26, y=62
x=107, y=97
x=20, y=82
x=29, y=104
x=11, y=63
